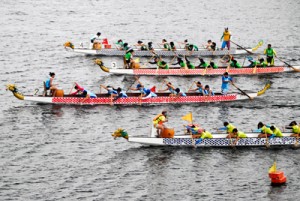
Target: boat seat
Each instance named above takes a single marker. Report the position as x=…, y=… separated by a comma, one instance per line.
x=45, y=89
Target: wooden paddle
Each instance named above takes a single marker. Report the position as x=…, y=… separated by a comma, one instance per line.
x=137, y=78
x=72, y=88
x=243, y=92
x=242, y=47
x=191, y=86
x=297, y=140
x=267, y=141
x=295, y=69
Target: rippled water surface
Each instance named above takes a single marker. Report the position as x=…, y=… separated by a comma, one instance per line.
x=51, y=152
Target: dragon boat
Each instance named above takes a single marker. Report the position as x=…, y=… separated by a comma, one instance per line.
x=176, y=71
x=134, y=98
x=158, y=51
x=218, y=140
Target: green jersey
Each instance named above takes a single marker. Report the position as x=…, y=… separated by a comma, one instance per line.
x=128, y=56
x=230, y=128
x=164, y=66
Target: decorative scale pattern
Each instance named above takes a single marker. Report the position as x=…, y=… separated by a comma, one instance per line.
x=220, y=71
x=224, y=142
x=137, y=100
x=115, y=52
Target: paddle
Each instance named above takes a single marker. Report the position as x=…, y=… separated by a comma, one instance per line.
x=267, y=142
x=295, y=69
x=243, y=92
x=191, y=86
x=137, y=78
x=297, y=140
x=242, y=47
x=72, y=88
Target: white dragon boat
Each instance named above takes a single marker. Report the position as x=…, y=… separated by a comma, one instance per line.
x=158, y=51
x=218, y=140
x=177, y=71
x=135, y=98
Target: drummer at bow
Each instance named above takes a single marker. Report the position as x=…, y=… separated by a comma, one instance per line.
x=158, y=122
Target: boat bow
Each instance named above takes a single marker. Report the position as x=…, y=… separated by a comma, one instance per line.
x=267, y=86
x=14, y=90
x=101, y=65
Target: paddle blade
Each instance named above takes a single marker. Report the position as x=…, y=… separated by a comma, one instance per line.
x=260, y=43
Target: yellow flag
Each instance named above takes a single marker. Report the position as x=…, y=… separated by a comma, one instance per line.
x=273, y=168
x=188, y=117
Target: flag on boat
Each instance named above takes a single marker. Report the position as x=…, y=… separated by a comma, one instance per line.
x=188, y=117
x=273, y=168
x=153, y=89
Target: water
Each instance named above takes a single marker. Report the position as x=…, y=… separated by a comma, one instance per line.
x=67, y=152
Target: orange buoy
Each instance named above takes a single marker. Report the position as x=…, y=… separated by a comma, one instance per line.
x=277, y=177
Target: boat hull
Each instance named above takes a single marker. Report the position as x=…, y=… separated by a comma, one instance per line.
x=201, y=72
x=160, y=52
x=215, y=142
x=138, y=101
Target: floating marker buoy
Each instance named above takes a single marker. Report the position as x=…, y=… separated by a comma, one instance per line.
x=277, y=177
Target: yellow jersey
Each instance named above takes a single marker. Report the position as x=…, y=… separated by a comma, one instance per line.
x=226, y=35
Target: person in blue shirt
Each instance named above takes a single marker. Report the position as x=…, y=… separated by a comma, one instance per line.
x=50, y=85
x=120, y=94
x=207, y=91
x=179, y=92
x=199, y=88
x=226, y=80
x=170, y=88
x=145, y=92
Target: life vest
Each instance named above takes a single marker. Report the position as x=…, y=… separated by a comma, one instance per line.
x=159, y=119
x=269, y=52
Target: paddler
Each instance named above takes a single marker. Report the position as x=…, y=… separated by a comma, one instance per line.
x=270, y=53
x=226, y=39
x=146, y=93
x=236, y=134
x=213, y=65
x=202, y=64
x=276, y=131
x=295, y=129
x=96, y=38
x=142, y=45
x=49, y=84
x=185, y=43
x=235, y=64
x=172, y=45
x=199, y=88
x=129, y=58
x=188, y=63
x=166, y=45
x=158, y=122
x=207, y=91
x=204, y=135
x=228, y=127
x=252, y=62
x=208, y=45
x=192, y=48
x=160, y=63
x=262, y=63
x=120, y=44
x=178, y=93
x=226, y=80
x=111, y=91
x=181, y=63
x=264, y=130
x=80, y=91
x=120, y=94
x=170, y=88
